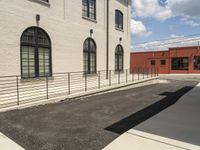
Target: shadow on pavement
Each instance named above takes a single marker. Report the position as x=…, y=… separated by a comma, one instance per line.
x=133, y=120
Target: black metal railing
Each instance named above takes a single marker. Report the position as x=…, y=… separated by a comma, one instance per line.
x=15, y=91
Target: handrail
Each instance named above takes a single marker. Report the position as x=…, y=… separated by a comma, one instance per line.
x=65, y=84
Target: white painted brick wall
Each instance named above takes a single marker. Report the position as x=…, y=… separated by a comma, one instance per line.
x=67, y=30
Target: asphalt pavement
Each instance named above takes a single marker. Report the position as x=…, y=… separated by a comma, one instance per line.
x=179, y=122
x=89, y=123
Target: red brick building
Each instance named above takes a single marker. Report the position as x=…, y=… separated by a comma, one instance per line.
x=182, y=60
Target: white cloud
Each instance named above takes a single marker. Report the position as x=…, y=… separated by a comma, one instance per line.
x=139, y=29
x=190, y=22
x=176, y=36
x=185, y=8
x=188, y=10
x=150, y=8
x=132, y=47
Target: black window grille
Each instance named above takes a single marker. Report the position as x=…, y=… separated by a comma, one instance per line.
x=153, y=62
x=35, y=53
x=89, y=56
x=163, y=62
x=197, y=63
x=89, y=9
x=119, y=58
x=119, y=19
x=180, y=63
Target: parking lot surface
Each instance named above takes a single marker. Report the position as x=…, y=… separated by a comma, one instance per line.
x=180, y=121
x=89, y=123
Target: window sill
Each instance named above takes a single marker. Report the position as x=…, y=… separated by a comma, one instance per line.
x=41, y=2
x=35, y=79
x=89, y=19
x=118, y=29
x=119, y=71
x=180, y=69
x=91, y=75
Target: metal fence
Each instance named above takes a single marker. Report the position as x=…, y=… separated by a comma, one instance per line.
x=15, y=91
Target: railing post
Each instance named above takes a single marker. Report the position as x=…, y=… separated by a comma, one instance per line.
x=69, y=83
x=47, y=87
x=147, y=72
x=155, y=72
x=110, y=74
x=132, y=75
x=85, y=81
x=99, y=79
x=118, y=77
x=143, y=72
x=126, y=75
x=138, y=73
x=17, y=83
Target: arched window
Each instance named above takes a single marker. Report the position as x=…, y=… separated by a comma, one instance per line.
x=89, y=56
x=119, y=19
x=119, y=58
x=35, y=53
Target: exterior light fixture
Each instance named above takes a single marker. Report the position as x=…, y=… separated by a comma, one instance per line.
x=120, y=40
x=91, y=32
x=37, y=17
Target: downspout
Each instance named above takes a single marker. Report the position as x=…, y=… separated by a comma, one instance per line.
x=107, y=40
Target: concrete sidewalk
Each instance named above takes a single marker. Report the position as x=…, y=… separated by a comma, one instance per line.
x=176, y=128
x=137, y=140
x=8, y=144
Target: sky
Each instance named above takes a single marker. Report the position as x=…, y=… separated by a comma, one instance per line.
x=160, y=24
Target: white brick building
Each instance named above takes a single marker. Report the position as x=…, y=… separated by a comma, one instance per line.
x=67, y=24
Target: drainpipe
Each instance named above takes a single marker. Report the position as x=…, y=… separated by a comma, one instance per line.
x=107, y=40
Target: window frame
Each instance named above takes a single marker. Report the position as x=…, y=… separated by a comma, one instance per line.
x=36, y=47
x=119, y=23
x=153, y=62
x=117, y=57
x=163, y=62
x=196, y=66
x=88, y=16
x=43, y=2
x=180, y=66
x=88, y=52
